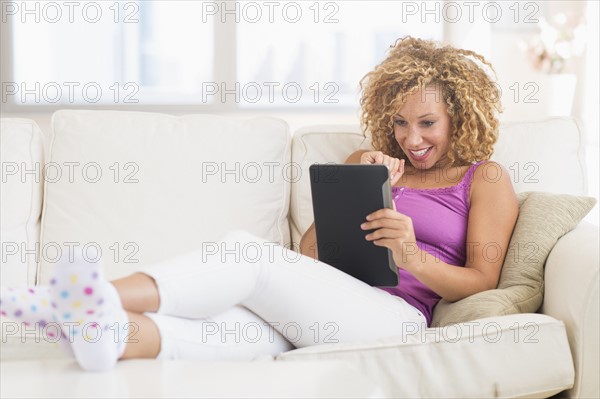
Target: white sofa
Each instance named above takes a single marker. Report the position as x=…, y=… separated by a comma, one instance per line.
x=144, y=187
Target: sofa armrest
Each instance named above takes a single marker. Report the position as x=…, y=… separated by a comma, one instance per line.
x=571, y=295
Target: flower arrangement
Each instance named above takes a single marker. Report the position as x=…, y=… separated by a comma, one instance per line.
x=551, y=49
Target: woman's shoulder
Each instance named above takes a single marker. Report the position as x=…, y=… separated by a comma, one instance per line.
x=490, y=178
x=489, y=171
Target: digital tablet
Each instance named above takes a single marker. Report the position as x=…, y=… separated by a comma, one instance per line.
x=342, y=196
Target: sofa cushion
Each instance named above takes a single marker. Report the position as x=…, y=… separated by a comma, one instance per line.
x=543, y=219
x=317, y=144
x=146, y=187
x=21, y=148
x=528, y=150
x=525, y=355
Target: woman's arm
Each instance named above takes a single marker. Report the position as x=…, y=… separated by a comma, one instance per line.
x=492, y=217
x=308, y=243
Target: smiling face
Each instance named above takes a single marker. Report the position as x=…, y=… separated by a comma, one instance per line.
x=422, y=129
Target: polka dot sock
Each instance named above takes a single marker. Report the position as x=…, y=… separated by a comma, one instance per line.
x=31, y=309
x=90, y=312
x=30, y=306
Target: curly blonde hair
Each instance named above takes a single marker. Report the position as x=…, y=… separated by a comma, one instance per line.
x=471, y=96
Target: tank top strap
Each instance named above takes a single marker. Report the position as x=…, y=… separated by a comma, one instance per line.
x=468, y=178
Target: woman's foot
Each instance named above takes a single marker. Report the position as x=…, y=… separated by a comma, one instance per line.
x=29, y=306
x=31, y=309
x=90, y=313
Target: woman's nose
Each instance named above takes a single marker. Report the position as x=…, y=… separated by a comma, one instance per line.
x=413, y=138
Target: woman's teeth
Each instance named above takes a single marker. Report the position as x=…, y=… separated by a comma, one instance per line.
x=421, y=152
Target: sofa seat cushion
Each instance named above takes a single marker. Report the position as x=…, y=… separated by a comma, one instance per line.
x=524, y=355
x=22, y=154
x=145, y=187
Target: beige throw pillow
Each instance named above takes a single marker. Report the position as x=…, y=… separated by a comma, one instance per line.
x=543, y=219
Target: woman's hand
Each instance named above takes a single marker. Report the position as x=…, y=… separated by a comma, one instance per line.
x=394, y=231
x=395, y=165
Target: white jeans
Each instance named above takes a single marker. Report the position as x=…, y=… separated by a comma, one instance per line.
x=249, y=297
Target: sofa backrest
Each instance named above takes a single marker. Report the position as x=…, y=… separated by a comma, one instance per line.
x=22, y=155
x=146, y=186
x=317, y=144
x=545, y=155
x=169, y=184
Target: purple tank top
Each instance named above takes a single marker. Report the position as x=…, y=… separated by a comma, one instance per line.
x=439, y=217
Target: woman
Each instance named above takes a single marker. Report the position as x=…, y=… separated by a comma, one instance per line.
x=431, y=112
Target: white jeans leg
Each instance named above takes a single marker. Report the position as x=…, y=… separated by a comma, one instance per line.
x=307, y=301
x=235, y=334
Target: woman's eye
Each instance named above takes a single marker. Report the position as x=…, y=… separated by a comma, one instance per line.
x=400, y=122
x=428, y=123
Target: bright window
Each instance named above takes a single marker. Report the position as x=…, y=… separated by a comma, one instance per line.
x=217, y=55
x=315, y=53
x=103, y=52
